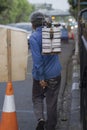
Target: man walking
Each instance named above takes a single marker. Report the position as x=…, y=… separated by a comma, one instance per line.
x=46, y=77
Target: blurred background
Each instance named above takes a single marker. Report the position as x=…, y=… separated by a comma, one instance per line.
x=16, y=13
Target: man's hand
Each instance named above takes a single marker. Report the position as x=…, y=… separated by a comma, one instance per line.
x=43, y=83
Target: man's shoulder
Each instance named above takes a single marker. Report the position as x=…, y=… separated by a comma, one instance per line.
x=33, y=35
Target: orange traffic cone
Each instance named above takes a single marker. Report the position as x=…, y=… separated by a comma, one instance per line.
x=8, y=118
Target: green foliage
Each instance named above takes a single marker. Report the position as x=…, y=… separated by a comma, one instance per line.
x=73, y=9
x=14, y=11
x=73, y=3
x=74, y=6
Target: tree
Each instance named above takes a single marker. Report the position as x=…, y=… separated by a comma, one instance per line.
x=23, y=10
x=74, y=4
x=3, y=5
x=14, y=11
x=73, y=7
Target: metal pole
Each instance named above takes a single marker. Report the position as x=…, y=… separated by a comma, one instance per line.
x=78, y=14
x=9, y=55
x=78, y=23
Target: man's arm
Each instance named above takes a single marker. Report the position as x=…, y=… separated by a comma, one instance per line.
x=37, y=58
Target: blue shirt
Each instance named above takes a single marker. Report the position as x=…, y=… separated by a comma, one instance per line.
x=44, y=66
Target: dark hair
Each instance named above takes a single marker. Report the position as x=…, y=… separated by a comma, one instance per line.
x=37, y=19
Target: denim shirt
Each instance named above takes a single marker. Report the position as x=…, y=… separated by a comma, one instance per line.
x=44, y=66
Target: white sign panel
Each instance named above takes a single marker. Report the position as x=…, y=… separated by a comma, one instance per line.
x=13, y=54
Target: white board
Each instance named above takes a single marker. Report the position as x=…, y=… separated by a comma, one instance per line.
x=18, y=54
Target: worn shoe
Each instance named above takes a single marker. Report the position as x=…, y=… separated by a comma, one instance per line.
x=40, y=125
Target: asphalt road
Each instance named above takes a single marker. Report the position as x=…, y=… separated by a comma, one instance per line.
x=23, y=90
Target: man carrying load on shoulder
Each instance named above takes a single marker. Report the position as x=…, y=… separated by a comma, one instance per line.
x=46, y=77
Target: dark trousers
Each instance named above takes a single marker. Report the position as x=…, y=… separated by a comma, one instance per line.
x=51, y=94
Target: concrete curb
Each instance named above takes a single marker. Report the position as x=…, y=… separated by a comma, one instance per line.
x=75, y=91
x=75, y=104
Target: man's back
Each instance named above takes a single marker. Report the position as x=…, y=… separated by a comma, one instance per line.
x=45, y=66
